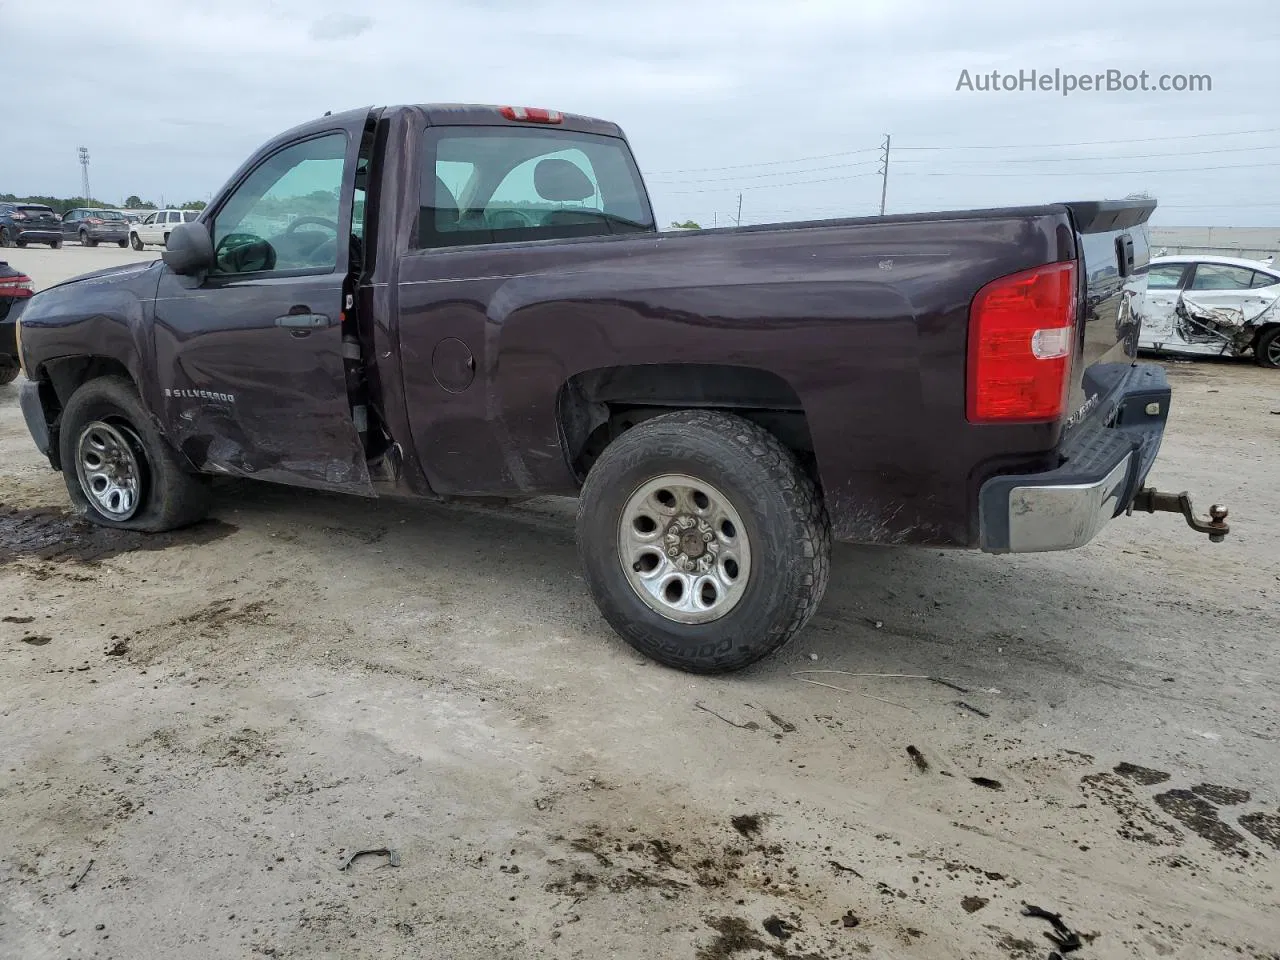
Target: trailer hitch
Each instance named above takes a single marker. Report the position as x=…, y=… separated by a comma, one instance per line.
x=1153, y=501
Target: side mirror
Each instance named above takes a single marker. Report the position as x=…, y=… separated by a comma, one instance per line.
x=189, y=250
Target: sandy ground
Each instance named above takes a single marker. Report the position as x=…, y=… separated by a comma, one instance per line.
x=198, y=729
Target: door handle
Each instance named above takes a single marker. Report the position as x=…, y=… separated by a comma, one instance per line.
x=303, y=321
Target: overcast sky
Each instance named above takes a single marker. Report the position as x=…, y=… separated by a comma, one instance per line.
x=171, y=95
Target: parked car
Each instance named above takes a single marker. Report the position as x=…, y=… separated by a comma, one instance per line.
x=1212, y=306
x=15, y=289
x=91, y=226
x=23, y=223
x=155, y=227
x=507, y=321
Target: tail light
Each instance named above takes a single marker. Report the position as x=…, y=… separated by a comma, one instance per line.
x=92, y=220
x=18, y=287
x=532, y=114
x=1020, y=342
x=19, y=215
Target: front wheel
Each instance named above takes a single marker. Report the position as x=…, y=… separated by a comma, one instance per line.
x=704, y=543
x=135, y=242
x=1267, y=352
x=120, y=472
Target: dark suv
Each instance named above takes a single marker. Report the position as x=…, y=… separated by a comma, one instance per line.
x=90, y=226
x=23, y=223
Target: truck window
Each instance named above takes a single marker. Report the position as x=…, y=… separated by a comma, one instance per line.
x=284, y=216
x=495, y=185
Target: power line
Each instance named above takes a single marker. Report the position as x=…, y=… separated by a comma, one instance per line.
x=768, y=163
x=1133, y=156
x=768, y=186
x=1094, y=173
x=1092, y=143
x=761, y=176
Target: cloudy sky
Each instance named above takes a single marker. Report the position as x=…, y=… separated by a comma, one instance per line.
x=783, y=102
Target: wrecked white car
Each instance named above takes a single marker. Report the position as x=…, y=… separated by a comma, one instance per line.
x=1212, y=306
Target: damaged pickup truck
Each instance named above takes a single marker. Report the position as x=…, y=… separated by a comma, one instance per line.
x=1212, y=306
x=464, y=301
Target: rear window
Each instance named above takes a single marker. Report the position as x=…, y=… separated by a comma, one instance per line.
x=110, y=215
x=499, y=184
x=189, y=216
x=1220, y=276
x=35, y=208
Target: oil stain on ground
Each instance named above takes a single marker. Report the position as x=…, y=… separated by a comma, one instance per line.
x=49, y=533
x=1200, y=816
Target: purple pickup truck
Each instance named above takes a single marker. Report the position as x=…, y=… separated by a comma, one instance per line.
x=453, y=301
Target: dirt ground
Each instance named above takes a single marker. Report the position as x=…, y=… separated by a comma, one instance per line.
x=198, y=729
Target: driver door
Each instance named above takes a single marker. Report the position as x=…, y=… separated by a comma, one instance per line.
x=249, y=359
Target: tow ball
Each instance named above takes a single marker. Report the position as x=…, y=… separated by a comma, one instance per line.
x=1153, y=501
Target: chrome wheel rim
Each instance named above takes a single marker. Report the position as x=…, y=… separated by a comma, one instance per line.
x=684, y=549
x=1273, y=352
x=109, y=469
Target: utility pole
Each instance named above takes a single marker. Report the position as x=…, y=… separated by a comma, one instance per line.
x=84, y=172
x=738, y=219
x=884, y=173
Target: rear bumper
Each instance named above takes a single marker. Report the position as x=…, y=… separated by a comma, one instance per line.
x=1104, y=466
x=39, y=234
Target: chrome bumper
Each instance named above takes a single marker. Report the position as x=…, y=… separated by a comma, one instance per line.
x=1064, y=517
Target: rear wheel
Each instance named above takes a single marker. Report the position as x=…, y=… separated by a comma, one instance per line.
x=55, y=244
x=1267, y=352
x=123, y=243
x=8, y=370
x=20, y=242
x=86, y=241
x=135, y=242
x=704, y=543
x=119, y=470
x=5, y=239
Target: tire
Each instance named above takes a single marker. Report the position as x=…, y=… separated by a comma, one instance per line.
x=123, y=243
x=134, y=242
x=85, y=241
x=55, y=244
x=167, y=497
x=5, y=239
x=1267, y=351
x=166, y=241
x=8, y=370
x=20, y=243
x=784, y=542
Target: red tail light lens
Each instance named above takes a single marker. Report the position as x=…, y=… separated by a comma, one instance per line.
x=18, y=287
x=532, y=114
x=93, y=220
x=1020, y=343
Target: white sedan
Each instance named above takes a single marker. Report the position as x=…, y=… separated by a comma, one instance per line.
x=1212, y=306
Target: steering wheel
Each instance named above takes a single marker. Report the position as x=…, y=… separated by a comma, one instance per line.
x=304, y=221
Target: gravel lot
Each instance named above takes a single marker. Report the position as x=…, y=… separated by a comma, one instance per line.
x=199, y=728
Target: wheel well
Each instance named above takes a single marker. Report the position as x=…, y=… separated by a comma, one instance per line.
x=597, y=406
x=1262, y=331
x=64, y=377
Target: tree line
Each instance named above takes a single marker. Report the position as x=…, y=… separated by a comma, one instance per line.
x=60, y=205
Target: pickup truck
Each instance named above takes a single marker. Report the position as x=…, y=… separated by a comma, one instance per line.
x=452, y=301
